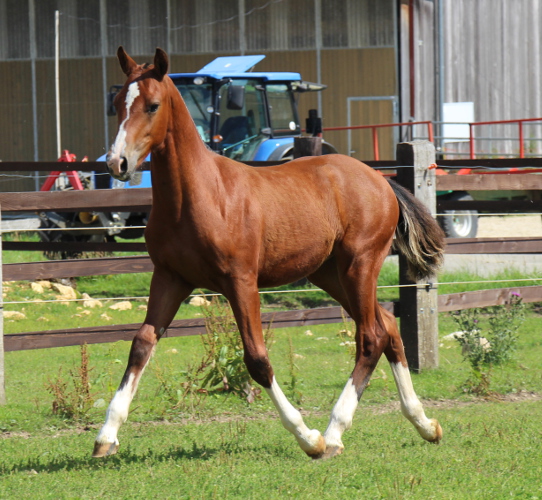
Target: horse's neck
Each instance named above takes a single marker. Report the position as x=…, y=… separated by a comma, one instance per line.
x=184, y=164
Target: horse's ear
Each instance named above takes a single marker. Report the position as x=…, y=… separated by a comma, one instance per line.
x=161, y=63
x=126, y=62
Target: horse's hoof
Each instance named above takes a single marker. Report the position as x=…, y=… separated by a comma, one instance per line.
x=319, y=449
x=104, y=449
x=330, y=452
x=438, y=432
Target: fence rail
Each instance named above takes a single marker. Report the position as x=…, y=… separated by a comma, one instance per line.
x=140, y=200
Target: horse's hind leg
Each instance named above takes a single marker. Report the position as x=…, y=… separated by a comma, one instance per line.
x=167, y=293
x=356, y=292
x=411, y=407
x=245, y=302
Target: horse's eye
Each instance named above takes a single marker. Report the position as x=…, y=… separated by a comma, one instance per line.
x=153, y=108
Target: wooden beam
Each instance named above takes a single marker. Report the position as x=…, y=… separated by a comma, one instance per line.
x=493, y=245
x=75, y=246
x=178, y=328
x=501, y=163
x=501, y=206
x=486, y=298
x=485, y=182
x=59, y=166
x=104, y=200
x=78, y=267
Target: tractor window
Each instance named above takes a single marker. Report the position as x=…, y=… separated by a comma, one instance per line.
x=241, y=129
x=198, y=101
x=236, y=125
x=284, y=120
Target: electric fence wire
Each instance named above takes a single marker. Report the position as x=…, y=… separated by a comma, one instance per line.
x=458, y=213
x=269, y=292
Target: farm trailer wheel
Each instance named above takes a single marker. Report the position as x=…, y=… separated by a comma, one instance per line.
x=459, y=223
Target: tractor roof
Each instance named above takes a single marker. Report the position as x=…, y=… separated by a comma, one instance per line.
x=239, y=67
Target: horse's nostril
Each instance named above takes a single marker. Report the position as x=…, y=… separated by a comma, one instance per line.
x=123, y=165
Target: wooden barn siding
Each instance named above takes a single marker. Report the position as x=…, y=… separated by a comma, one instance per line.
x=492, y=53
x=16, y=132
x=370, y=72
x=357, y=58
x=357, y=73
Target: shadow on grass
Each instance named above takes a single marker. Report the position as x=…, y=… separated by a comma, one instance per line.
x=126, y=457
x=129, y=456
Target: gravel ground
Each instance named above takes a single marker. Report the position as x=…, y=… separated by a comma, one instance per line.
x=509, y=226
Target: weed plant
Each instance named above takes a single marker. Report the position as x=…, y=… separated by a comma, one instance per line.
x=488, y=338
x=72, y=397
x=223, y=366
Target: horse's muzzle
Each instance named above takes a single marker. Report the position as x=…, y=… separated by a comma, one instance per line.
x=117, y=167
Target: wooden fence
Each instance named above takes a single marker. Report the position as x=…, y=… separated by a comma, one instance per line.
x=418, y=304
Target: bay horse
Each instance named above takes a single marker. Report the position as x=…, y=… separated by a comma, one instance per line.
x=227, y=227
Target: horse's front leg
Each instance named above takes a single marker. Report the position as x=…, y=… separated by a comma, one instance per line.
x=245, y=303
x=166, y=294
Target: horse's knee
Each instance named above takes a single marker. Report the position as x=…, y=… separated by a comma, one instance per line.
x=260, y=369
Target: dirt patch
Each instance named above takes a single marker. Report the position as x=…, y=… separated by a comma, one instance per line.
x=519, y=226
x=444, y=404
x=380, y=409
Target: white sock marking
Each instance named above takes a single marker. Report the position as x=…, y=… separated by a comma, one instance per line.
x=410, y=404
x=342, y=415
x=292, y=420
x=117, y=413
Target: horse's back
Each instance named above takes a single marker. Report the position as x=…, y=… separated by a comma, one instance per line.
x=310, y=206
x=338, y=190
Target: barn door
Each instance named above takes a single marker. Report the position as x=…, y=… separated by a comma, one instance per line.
x=372, y=111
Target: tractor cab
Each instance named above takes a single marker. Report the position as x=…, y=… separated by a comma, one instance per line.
x=242, y=114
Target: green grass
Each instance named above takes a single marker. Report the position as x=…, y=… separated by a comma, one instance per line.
x=218, y=446
x=490, y=451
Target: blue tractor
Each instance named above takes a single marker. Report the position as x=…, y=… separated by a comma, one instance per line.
x=244, y=115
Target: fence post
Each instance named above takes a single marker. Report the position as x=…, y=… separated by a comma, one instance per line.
x=418, y=305
x=307, y=146
x=2, y=379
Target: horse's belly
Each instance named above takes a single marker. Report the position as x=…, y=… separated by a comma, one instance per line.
x=281, y=266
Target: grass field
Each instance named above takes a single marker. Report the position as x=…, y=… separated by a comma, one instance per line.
x=218, y=446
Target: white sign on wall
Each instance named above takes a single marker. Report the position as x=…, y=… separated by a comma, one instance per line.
x=456, y=117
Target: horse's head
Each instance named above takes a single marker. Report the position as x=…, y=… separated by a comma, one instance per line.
x=143, y=111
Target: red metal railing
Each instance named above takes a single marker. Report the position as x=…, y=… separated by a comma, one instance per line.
x=521, y=137
x=374, y=131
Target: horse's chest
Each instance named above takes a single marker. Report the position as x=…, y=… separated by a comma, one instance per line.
x=191, y=253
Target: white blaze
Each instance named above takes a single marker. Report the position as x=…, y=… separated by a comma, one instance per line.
x=117, y=149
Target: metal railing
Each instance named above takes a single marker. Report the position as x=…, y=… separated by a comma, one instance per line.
x=374, y=132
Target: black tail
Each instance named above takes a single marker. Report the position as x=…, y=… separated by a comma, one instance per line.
x=418, y=236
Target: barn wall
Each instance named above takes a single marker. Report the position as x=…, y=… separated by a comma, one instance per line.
x=493, y=58
x=347, y=44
